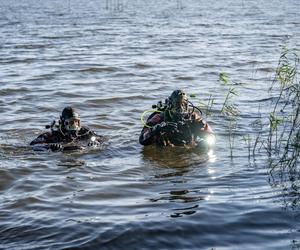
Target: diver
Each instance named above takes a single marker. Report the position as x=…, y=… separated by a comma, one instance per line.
x=68, y=134
x=177, y=122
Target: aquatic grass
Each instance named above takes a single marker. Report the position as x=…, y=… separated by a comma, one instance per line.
x=285, y=116
x=206, y=108
x=224, y=78
x=286, y=84
x=229, y=109
x=257, y=127
x=279, y=137
x=247, y=139
x=282, y=140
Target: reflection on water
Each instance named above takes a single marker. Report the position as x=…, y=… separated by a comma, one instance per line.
x=287, y=184
x=174, y=165
x=70, y=163
x=177, y=157
x=181, y=196
x=179, y=212
x=178, y=196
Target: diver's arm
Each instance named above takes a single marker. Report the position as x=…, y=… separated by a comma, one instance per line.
x=93, y=138
x=98, y=138
x=40, y=147
x=45, y=142
x=96, y=141
x=146, y=137
x=148, y=134
x=202, y=126
x=46, y=147
x=205, y=128
x=41, y=139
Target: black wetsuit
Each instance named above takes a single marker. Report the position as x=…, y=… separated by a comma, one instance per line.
x=185, y=135
x=56, y=138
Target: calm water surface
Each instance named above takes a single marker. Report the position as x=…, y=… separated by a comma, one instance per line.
x=112, y=60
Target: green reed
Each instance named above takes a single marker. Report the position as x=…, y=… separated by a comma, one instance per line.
x=247, y=139
x=206, y=107
x=257, y=126
x=277, y=134
x=282, y=141
x=284, y=118
x=229, y=109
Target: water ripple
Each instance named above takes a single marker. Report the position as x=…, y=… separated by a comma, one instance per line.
x=112, y=60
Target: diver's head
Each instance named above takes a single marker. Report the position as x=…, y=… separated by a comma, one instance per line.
x=178, y=103
x=70, y=121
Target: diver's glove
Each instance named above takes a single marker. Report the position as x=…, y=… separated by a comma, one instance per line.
x=164, y=127
x=202, y=123
x=94, y=144
x=56, y=147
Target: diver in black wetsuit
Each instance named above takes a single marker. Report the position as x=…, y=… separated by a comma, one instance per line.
x=177, y=122
x=68, y=134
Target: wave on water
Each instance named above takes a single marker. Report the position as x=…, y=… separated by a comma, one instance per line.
x=12, y=91
x=112, y=60
x=114, y=100
x=185, y=78
x=142, y=65
x=100, y=69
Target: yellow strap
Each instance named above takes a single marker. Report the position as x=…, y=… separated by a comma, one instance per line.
x=145, y=112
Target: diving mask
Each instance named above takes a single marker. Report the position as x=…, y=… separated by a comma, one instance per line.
x=72, y=124
x=178, y=102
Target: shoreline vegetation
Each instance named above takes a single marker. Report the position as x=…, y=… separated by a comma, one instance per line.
x=276, y=135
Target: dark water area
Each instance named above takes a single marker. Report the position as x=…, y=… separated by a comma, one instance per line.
x=112, y=60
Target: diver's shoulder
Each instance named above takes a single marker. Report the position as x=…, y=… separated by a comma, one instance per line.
x=85, y=129
x=155, y=117
x=43, y=137
x=195, y=111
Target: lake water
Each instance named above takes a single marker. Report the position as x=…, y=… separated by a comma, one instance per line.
x=112, y=60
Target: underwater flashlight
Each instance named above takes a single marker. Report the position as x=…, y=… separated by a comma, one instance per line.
x=93, y=138
x=211, y=140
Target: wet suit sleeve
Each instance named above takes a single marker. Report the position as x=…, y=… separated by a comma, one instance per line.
x=41, y=139
x=99, y=139
x=202, y=127
x=147, y=136
x=93, y=138
x=44, y=142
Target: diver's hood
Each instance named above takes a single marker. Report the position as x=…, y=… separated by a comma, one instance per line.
x=70, y=120
x=178, y=103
